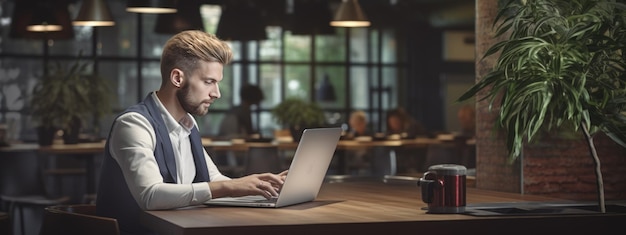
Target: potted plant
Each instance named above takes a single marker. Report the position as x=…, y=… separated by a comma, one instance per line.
x=562, y=65
x=298, y=114
x=66, y=97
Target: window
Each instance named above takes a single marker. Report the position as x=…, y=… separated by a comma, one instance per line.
x=363, y=65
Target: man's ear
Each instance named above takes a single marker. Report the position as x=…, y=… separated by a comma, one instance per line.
x=176, y=77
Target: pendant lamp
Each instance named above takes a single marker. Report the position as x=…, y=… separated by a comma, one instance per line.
x=94, y=13
x=41, y=20
x=151, y=6
x=186, y=18
x=311, y=17
x=241, y=21
x=350, y=14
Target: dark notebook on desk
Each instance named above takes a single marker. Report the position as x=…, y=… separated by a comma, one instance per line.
x=306, y=172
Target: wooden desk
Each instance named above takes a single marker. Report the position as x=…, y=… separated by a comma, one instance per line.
x=222, y=145
x=372, y=208
x=84, y=151
x=342, y=145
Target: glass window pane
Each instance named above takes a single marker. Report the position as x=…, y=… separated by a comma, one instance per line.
x=252, y=50
x=373, y=46
x=330, y=47
x=121, y=39
x=252, y=74
x=360, y=85
x=123, y=77
x=17, y=79
x=271, y=48
x=389, y=46
x=209, y=124
x=237, y=50
x=390, y=81
x=227, y=89
x=152, y=43
x=270, y=84
x=151, y=77
x=297, y=48
x=267, y=124
x=71, y=47
x=20, y=46
x=298, y=81
x=337, y=78
x=358, y=45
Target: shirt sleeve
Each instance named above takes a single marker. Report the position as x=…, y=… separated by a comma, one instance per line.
x=132, y=145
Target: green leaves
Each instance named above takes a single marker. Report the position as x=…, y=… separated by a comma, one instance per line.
x=562, y=63
x=68, y=94
x=298, y=112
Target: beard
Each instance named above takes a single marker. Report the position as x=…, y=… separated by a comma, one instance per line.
x=186, y=101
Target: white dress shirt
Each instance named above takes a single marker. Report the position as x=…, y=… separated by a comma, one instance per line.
x=132, y=145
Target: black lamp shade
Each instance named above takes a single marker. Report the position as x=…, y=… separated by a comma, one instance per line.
x=241, y=21
x=350, y=14
x=152, y=6
x=30, y=13
x=186, y=18
x=94, y=13
x=311, y=17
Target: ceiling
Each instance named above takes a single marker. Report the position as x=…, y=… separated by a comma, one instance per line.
x=437, y=13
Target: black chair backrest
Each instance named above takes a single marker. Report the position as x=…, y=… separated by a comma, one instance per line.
x=77, y=219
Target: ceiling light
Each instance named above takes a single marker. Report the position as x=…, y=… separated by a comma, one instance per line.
x=186, y=18
x=94, y=13
x=350, y=14
x=41, y=20
x=151, y=6
x=241, y=21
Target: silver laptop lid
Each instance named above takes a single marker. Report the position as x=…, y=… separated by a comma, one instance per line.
x=309, y=165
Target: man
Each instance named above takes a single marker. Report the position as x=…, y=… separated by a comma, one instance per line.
x=358, y=124
x=154, y=158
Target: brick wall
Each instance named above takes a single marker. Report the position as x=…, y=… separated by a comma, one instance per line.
x=492, y=170
x=564, y=168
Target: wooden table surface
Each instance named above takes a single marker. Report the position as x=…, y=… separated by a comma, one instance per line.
x=222, y=145
x=371, y=208
x=98, y=147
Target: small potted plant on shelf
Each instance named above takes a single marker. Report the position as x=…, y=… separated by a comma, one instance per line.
x=67, y=97
x=298, y=114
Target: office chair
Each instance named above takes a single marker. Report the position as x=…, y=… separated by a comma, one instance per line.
x=77, y=219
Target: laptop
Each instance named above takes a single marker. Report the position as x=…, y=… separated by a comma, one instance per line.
x=306, y=172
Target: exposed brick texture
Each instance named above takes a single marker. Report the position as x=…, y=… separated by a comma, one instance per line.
x=564, y=168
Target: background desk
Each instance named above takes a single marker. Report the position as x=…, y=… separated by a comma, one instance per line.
x=383, y=164
x=372, y=208
x=85, y=152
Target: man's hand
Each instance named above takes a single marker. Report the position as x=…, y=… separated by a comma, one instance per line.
x=266, y=184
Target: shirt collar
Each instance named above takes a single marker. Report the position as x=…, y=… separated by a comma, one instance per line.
x=171, y=124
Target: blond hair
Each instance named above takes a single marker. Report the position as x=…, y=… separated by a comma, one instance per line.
x=358, y=115
x=184, y=49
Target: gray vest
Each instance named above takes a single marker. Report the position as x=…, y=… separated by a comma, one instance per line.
x=114, y=198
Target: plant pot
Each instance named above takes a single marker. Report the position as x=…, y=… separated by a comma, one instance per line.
x=45, y=135
x=71, y=134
